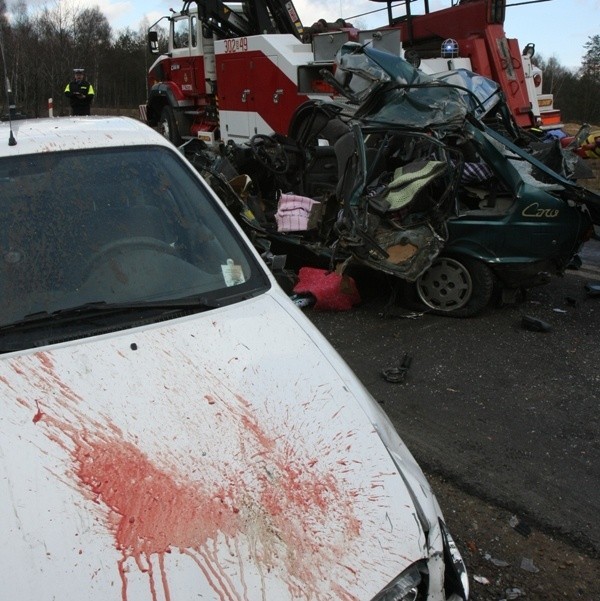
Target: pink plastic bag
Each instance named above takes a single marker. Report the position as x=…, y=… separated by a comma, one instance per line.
x=332, y=291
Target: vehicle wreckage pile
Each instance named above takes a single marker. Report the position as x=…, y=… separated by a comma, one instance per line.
x=426, y=178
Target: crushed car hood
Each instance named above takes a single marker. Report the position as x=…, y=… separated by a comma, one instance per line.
x=402, y=95
x=187, y=460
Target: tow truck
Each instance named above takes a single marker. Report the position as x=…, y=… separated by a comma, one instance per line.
x=234, y=70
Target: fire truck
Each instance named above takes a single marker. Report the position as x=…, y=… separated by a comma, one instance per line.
x=234, y=70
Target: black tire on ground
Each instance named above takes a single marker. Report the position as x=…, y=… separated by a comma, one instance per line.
x=455, y=286
x=167, y=126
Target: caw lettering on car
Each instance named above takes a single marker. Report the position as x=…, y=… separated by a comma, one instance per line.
x=534, y=210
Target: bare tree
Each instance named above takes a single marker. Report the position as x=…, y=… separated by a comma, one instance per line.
x=591, y=61
x=55, y=27
x=129, y=80
x=92, y=42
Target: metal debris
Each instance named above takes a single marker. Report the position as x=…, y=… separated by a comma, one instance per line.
x=528, y=565
x=521, y=527
x=593, y=288
x=500, y=563
x=398, y=374
x=534, y=324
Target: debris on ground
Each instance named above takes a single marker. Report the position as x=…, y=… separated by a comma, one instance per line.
x=528, y=565
x=521, y=527
x=500, y=563
x=534, y=324
x=593, y=288
x=303, y=300
x=485, y=532
x=398, y=374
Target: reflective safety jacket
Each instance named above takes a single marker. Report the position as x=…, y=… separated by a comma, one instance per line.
x=80, y=94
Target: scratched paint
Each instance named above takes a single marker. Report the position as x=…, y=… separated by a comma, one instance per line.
x=273, y=503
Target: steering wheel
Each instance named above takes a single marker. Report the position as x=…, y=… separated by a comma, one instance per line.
x=269, y=153
x=122, y=247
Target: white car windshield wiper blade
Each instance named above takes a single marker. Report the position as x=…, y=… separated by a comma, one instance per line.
x=103, y=308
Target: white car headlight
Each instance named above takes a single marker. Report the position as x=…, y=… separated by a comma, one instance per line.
x=404, y=587
x=441, y=575
x=431, y=579
x=456, y=573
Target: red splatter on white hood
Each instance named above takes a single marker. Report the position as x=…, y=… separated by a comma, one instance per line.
x=220, y=455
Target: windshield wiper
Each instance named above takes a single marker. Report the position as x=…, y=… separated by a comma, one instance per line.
x=104, y=309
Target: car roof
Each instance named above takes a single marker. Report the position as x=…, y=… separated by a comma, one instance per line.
x=72, y=133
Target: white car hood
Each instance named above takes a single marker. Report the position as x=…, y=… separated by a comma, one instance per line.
x=219, y=456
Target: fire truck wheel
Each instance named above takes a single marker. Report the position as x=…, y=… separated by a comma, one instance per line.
x=167, y=125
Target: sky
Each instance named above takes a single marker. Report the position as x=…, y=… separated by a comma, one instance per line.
x=558, y=28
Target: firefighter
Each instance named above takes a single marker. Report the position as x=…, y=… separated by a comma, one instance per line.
x=80, y=93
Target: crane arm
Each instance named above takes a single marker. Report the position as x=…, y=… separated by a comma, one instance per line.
x=257, y=17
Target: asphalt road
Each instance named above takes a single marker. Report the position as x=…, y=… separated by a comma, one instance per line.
x=509, y=415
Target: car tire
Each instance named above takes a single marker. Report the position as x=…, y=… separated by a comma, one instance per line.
x=455, y=286
x=167, y=125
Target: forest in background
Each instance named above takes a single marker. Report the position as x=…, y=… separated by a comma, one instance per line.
x=40, y=52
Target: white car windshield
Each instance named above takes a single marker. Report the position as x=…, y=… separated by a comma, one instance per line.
x=114, y=226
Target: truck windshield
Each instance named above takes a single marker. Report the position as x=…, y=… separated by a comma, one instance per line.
x=114, y=226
